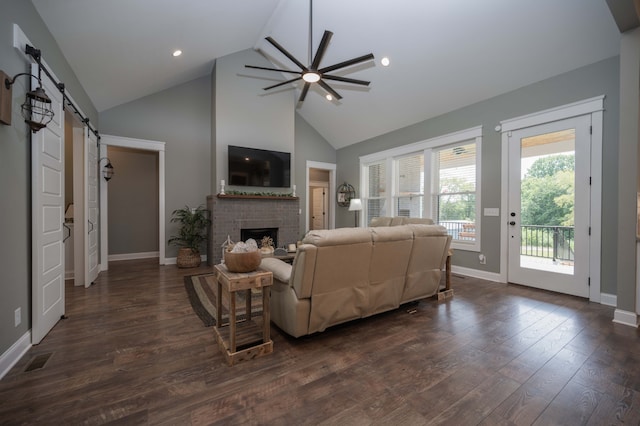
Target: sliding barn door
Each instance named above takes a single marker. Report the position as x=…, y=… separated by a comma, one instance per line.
x=47, y=161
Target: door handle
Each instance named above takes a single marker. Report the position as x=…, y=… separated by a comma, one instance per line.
x=68, y=229
x=512, y=223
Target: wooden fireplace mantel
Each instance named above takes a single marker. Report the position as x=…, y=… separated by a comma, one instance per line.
x=257, y=197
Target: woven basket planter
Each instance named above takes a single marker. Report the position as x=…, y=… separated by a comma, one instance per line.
x=188, y=258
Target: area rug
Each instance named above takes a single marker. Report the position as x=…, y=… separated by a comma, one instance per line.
x=202, y=292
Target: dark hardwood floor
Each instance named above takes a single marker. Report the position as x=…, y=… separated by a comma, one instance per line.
x=133, y=352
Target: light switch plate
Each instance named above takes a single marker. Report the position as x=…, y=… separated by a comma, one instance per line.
x=491, y=211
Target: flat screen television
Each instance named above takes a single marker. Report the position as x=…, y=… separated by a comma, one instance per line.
x=259, y=167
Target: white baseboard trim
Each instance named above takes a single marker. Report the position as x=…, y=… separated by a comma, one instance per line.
x=12, y=355
x=68, y=275
x=625, y=318
x=174, y=260
x=132, y=256
x=608, y=299
x=475, y=273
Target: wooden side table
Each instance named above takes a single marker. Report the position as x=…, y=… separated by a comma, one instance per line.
x=245, y=339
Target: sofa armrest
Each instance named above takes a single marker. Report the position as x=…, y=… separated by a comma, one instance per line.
x=281, y=270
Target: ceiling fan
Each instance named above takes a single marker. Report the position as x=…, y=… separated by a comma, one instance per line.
x=312, y=73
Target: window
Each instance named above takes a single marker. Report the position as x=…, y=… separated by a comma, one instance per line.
x=376, y=191
x=454, y=204
x=438, y=178
x=409, y=196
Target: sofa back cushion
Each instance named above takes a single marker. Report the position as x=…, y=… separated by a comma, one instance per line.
x=427, y=259
x=340, y=289
x=399, y=220
x=380, y=221
x=389, y=261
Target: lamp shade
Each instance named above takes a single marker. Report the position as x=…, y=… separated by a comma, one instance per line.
x=355, y=205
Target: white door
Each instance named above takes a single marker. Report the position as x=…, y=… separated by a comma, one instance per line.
x=47, y=165
x=548, y=208
x=91, y=208
x=319, y=211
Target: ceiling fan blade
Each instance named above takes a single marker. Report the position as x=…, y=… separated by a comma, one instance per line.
x=305, y=89
x=272, y=69
x=345, y=79
x=285, y=53
x=282, y=83
x=322, y=48
x=346, y=63
x=328, y=88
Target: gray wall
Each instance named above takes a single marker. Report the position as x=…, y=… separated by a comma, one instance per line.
x=133, y=201
x=601, y=78
x=246, y=115
x=243, y=114
x=180, y=117
x=310, y=146
x=627, y=169
x=15, y=164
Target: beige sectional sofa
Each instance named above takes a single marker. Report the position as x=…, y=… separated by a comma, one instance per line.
x=343, y=274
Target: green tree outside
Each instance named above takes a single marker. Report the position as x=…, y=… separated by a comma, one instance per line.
x=547, y=192
x=547, y=197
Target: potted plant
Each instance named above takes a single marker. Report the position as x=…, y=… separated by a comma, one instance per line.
x=193, y=226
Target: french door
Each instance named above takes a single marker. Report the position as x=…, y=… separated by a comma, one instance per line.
x=549, y=206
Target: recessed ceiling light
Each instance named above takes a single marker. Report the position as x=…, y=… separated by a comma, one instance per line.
x=385, y=61
x=177, y=53
x=329, y=97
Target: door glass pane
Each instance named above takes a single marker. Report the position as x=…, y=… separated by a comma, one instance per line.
x=547, y=199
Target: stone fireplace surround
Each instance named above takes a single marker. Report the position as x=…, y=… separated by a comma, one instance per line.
x=230, y=214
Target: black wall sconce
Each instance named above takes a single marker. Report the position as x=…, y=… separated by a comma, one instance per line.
x=344, y=195
x=36, y=109
x=107, y=170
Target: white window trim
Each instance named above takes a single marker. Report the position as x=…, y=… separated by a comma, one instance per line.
x=427, y=146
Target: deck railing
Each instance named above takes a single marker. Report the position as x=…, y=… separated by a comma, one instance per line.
x=553, y=242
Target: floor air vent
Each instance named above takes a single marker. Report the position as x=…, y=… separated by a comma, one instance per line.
x=38, y=362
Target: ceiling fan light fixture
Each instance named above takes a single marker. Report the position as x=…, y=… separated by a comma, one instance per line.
x=311, y=77
x=313, y=72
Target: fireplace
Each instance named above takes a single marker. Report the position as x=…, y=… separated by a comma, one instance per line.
x=258, y=233
x=231, y=215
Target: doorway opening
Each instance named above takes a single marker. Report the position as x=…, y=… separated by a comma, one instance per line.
x=320, y=184
x=133, y=204
x=109, y=142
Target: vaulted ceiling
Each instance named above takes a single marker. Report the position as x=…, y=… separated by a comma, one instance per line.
x=444, y=54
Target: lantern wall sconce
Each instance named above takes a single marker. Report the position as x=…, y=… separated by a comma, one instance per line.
x=107, y=170
x=36, y=109
x=344, y=194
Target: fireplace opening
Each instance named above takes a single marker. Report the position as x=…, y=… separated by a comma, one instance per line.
x=258, y=233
